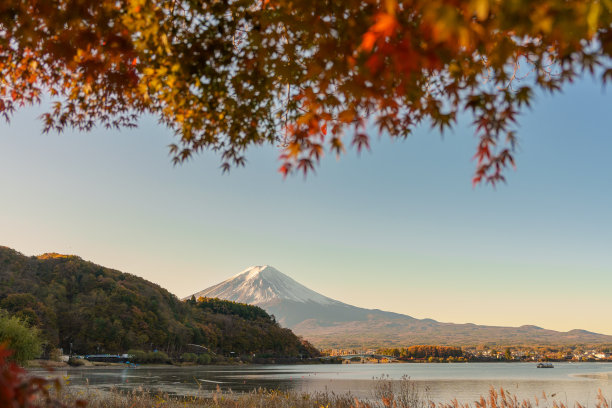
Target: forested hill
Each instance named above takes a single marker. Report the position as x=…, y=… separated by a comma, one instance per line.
x=94, y=309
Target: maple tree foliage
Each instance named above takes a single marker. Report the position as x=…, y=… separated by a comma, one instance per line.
x=309, y=76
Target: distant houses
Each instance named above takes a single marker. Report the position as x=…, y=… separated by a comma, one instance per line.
x=503, y=354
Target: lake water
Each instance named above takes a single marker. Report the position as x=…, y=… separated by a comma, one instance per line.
x=566, y=382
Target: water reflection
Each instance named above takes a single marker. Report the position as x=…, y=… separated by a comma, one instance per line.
x=441, y=382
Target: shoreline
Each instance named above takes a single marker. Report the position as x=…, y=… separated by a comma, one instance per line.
x=443, y=383
x=39, y=365
x=438, y=392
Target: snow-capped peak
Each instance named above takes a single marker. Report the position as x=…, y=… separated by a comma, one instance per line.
x=254, y=271
x=263, y=284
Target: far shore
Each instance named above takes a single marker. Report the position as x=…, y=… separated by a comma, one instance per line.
x=41, y=365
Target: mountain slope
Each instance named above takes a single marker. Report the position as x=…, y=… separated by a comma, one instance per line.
x=87, y=308
x=329, y=323
x=289, y=301
x=263, y=284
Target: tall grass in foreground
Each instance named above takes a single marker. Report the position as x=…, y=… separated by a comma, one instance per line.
x=386, y=394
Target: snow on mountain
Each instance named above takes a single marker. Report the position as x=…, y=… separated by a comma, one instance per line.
x=265, y=284
x=329, y=323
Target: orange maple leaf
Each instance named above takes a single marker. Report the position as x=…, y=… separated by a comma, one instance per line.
x=386, y=24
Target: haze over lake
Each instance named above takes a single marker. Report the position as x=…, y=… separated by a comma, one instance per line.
x=567, y=382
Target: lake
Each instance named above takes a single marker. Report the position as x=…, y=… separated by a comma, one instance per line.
x=566, y=382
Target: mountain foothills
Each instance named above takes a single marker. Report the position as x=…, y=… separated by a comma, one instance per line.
x=328, y=323
x=87, y=308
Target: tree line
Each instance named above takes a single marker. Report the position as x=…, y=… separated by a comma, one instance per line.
x=422, y=352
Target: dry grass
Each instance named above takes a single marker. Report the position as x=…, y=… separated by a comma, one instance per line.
x=255, y=399
x=386, y=394
x=504, y=399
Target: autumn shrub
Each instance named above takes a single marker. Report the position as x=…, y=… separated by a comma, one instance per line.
x=20, y=390
x=158, y=357
x=151, y=357
x=55, y=354
x=76, y=362
x=204, y=359
x=23, y=340
x=138, y=356
x=189, y=357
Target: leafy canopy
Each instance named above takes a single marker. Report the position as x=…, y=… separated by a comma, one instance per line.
x=305, y=75
x=16, y=335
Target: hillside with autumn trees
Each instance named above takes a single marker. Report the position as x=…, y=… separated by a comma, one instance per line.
x=87, y=308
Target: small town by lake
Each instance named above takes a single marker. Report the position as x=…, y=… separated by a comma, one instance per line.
x=566, y=382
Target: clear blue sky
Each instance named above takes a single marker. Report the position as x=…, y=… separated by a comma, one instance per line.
x=399, y=229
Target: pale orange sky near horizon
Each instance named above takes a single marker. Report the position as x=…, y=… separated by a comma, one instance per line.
x=398, y=229
x=503, y=309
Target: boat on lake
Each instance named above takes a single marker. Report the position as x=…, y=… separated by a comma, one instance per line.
x=545, y=365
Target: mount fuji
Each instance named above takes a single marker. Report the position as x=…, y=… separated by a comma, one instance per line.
x=264, y=284
x=326, y=322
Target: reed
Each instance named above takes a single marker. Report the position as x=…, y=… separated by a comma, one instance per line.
x=386, y=394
